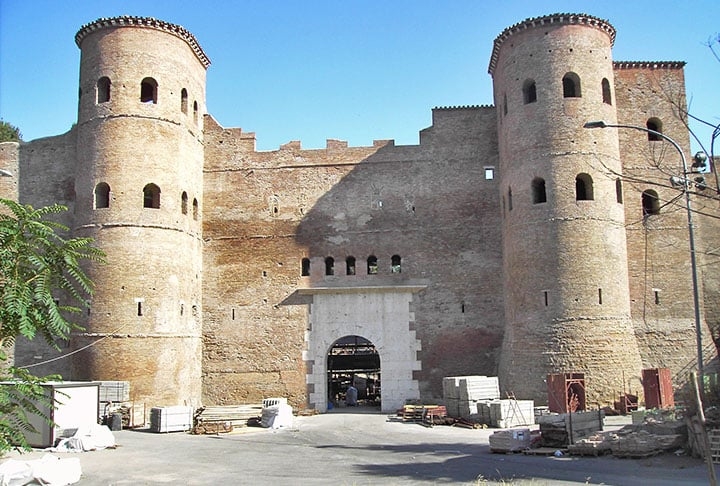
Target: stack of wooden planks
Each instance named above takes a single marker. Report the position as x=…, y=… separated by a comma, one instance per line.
x=223, y=418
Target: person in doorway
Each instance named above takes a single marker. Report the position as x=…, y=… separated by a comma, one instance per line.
x=351, y=396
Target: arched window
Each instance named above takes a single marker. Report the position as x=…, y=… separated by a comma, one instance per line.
x=350, y=265
x=538, y=191
x=195, y=111
x=571, y=86
x=151, y=196
x=395, y=264
x=529, y=91
x=372, y=265
x=102, y=196
x=305, y=267
x=196, y=209
x=583, y=187
x=607, y=97
x=618, y=191
x=184, y=202
x=103, y=90
x=183, y=100
x=650, y=202
x=655, y=125
x=148, y=91
x=329, y=266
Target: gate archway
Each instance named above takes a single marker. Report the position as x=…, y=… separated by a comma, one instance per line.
x=354, y=360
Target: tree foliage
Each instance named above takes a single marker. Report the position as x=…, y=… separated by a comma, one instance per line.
x=39, y=267
x=9, y=133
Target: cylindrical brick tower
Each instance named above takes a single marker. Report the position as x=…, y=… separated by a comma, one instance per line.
x=138, y=187
x=567, y=306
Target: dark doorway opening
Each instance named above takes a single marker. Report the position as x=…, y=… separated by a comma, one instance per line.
x=353, y=360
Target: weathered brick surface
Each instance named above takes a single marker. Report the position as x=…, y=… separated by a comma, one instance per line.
x=559, y=286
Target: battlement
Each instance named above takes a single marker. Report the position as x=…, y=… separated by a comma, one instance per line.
x=553, y=19
x=144, y=22
x=648, y=64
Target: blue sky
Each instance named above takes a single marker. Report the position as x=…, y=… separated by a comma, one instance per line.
x=351, y=70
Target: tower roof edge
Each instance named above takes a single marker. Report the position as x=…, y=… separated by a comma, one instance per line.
x=557, y=19
x=146, y=22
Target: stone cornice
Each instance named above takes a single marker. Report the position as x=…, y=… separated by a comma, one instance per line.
x=144, y=22
x=553, y=19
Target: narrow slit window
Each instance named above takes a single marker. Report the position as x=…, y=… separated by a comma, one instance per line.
x=139, y=309
x=329, y=266
x=600, y=296
x=183, y=101
x=618, y=191
x=305, y=267
x=148, y=91
x=583, y=188
x=545, y=296
x=509, y=198
x=184, y=203
x=151, y=196
x=102, y=196
x=103, y=90
x=606, y=95
x=395, y=266
x=538, y=191
x=372, y=265
x=529, y=91
x=350, y=265
x=657, y=296
x=196, y=209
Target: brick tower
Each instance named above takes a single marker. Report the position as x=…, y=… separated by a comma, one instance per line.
x=567, y=305
x=138, y=186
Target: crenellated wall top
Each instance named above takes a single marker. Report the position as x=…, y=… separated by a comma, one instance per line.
x=553, y=19
x=146, y=22
x=649, y=64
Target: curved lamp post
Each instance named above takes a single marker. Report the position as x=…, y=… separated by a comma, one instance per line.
x=685, y=184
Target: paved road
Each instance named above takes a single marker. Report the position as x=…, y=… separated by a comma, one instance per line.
x=342, y=448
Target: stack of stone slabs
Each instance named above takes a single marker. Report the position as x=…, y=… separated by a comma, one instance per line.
x=462, y=393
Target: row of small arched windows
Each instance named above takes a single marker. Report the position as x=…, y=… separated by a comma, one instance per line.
x=151, y=199
x=148, y=94
x=571, y=89
x=584, y=192
x=351, y=263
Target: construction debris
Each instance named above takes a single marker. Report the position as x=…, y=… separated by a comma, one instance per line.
x=223, y=418
x=462, y=393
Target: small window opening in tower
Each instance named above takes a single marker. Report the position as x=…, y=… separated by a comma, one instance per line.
x=139, y=309
x=489, y=173
x=650, y=203
x=184, y=203
x=350, y=265
x=305, y=267
x=529, y=91
x=505, y=108
x=329, y=266
x=274, y=202
x=600, y=296
x=545, y=296
x=657, y=296
x=538, y=191
x=182, y=309
x=583, y=188
x=509, y=196
x=183, y=101
x=103, y=90
x=395, y=266
x=195, y=111
x=372, y=265
x=102, y=196
x=232, y=314
x=618, y=191
x=151, y=196
x=607, y=97
x=655, y=125
x=571, y=85
x=196, y=209
x=148, y=91
x=462, y=307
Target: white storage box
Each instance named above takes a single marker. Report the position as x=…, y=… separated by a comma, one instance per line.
x=171, y=419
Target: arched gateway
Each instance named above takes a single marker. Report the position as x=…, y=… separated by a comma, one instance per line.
x=381, y=316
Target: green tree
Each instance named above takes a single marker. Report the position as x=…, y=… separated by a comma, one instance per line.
x=9, y=133
x=38, y=268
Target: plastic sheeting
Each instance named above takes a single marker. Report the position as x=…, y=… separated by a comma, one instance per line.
x=49, y=470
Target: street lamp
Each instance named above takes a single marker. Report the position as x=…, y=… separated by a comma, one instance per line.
x=684, y=183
